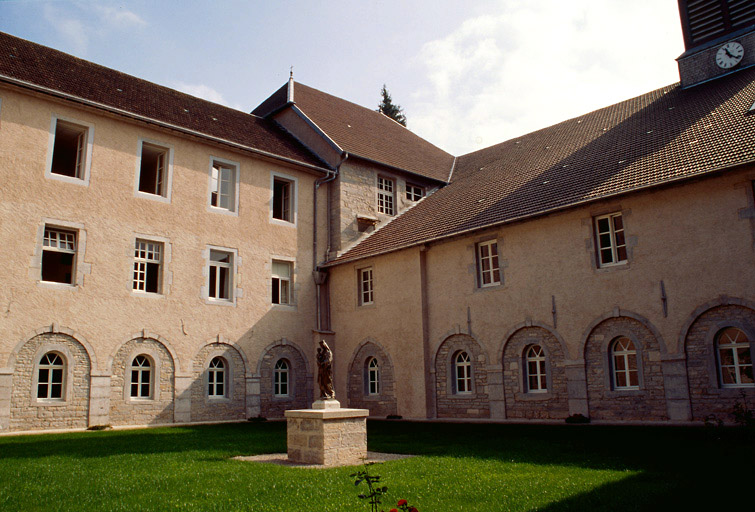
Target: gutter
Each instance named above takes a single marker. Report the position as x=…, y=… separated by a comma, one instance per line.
x=162, y=124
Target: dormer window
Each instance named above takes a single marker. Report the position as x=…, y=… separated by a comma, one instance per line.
x=414, y=192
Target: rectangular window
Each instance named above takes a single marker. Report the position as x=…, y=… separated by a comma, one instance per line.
x=414, y=193
x=69, y=150
x=610, y=242
x=153, y=170
x=282, y=271
x=365, y=286
x=223, y=186
x=283, y=196
x=488, y=272
x=221, y=275
x=58, y=256
x=147, y=266
x=385, y=196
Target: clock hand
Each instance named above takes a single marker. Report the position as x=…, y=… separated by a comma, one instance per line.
x=729, y=53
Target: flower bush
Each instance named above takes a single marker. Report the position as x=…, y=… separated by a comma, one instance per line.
x=376, y=492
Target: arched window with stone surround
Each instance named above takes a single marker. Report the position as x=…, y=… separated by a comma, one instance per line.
x=463, y=373
x=50, y=377
x=535, y=376
x=141, y=377
x=624, y=364
x=280, y=378
x=373, y=376
x=734, y=358
x=217, y=373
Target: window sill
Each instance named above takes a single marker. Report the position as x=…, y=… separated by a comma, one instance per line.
x=222, y=211
x=281, y=222
x=147, y=295
x=49, y=402
x=218, y=399
x=624, y=265
x=533, y=396
x=220, y=302
x=135, y=400
x=52, y=285
x=152, y=197
x=67, y=179
x=283, y=307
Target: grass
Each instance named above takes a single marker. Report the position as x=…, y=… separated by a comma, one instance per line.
x=459, y=467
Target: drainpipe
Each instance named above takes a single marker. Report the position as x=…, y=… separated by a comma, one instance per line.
x=321, y=276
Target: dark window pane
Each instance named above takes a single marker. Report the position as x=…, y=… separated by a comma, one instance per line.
x=44, y=375
x=153, y=274
x=145, y=389
x=134, y=389
x=618, y=223
x=56, y=391
x=727, y=356
x=745, y=373
x=57, y=375
x=42, y=391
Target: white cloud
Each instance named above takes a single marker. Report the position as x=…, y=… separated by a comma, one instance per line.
x=70, y=29
x=536, y=63
x=205, y=92
x=119, y=16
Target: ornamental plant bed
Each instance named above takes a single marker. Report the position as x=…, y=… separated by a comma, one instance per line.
x=458, y=467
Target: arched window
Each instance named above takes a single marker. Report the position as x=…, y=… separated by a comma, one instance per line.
x=216, y=377
x=463, y=373
x=624, y=364
x=534, y=360
x=141, y=377
x=50, y=377
x=373, y=376
x=280, y=378
x=734, y=358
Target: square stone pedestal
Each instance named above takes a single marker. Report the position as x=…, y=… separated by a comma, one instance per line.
x=328, y=436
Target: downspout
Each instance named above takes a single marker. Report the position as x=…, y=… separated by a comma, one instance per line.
x=431, y=409
x=321, y=276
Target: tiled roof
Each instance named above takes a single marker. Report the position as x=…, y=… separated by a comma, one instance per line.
x=662, y=136
x=365, y=133
x=29, y=62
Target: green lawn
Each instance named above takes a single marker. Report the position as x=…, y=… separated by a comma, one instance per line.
x=458, y=468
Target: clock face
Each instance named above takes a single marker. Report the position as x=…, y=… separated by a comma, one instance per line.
x=729, y=55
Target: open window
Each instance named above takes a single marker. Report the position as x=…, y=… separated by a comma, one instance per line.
x=385, y=199
x=282, y=271
x=154, y=169
x=69, y=150
x=223, y=185
x=59, y=256
x=220, y=275
x=148, y=261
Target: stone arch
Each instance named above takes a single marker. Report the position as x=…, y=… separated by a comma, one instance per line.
x=616, y=313
x=552, y=404
x=456, y=405
x=384, y=403
x=300, y=379
x=27, y=412
x=528, y=323
x=51, y=329
x=606, y=403
x=707, y=395
x=233, y=405
x=159, y=408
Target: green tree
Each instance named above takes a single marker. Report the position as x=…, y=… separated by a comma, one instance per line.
x=390, y=109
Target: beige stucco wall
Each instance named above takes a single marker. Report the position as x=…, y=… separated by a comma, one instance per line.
x=102, y=308
x=696, y=237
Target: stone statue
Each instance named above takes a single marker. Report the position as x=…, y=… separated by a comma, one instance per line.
x=325, y=371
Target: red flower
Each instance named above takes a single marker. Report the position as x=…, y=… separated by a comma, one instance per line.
x=413, y=509
x=393, y=510
x=401, y=502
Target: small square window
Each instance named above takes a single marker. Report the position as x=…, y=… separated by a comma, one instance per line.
x=414, y=192
x=220, y=286
x=283, y=199
x=386, y=186
x=58, y=256
x=223, y=179
x=488, y=271
x=365, y=286
x=147, y=266
x=69, y=150
x=282, y=271
x=153, y=169
x=610, y=241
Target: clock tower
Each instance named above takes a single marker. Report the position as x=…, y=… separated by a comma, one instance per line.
x=719, y=38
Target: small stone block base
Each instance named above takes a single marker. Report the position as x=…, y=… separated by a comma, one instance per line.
x=331, y=437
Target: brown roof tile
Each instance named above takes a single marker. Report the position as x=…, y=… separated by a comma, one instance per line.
x=664, y=135
x=44, y=67
x=365, y=133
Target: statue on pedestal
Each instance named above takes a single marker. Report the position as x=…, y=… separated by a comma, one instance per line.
x=325, y=371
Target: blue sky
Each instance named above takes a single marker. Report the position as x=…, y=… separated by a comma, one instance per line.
x=468, y=74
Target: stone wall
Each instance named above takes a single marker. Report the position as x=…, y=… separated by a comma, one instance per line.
x=605, y=403
x=28, y=413
x=706, y=395
x=233, y=405
x=519, y=404
x=159, y=408
x=451, y=404
x=382, y=404
x=330, y=437
x=298, y=395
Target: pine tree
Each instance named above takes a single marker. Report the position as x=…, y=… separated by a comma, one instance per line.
x=388, y=108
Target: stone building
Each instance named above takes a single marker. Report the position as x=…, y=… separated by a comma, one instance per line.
x=172, y=260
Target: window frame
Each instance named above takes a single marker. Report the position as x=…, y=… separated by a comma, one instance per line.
x=234, y=167
x=87, y=151
x=167, y=180
x=624, y=354
x=494, y=257
x=614, y=246
x=50, y=249
x=541, y=360
x=278, y=381
x=161, y=266
x=293, y=184
x=49, y=382
x=411, y=192
x=465, y=376
x=69, y=362
x=140, y=383
x=232, y=277
x=385, y=196
x=280, y=280
x=212, y=379
x=366, y=286
x=734, y=348
x=372, y=374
